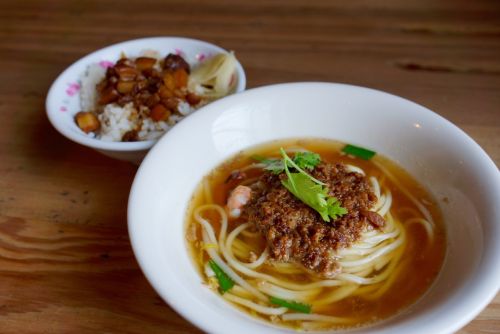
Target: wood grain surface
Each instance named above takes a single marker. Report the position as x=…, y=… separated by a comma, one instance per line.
x=66, y=265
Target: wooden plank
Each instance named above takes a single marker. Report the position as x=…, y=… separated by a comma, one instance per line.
x=65, y=259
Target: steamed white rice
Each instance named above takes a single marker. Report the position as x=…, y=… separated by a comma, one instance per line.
x=88, y=91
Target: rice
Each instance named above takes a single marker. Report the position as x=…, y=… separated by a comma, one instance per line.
x=120, y=122
x=151, y=130
x=116, y=121
x=89, y=81
x=184, y=108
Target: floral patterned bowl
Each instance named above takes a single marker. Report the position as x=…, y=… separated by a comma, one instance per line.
x=63, y=99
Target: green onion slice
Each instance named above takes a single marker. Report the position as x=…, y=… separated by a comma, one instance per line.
x=225, y=282
x=258, y=157
x=299, y=307
x=359, y=152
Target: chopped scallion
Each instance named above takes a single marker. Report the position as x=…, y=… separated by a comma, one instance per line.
x=225, y=282
x=258, y=157
x=299, y=307
x=359, y=152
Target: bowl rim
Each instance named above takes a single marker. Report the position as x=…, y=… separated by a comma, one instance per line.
x=86, y=60
x=487, y=294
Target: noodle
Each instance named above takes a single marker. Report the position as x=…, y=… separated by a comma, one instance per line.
x=422, y=209
x=363, y=263
x=254, y=306
x=369, y=267
x=315, y=317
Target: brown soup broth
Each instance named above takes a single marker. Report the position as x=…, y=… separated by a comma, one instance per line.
x=422, y=260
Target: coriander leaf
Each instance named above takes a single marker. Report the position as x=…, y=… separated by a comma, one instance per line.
x=287, y=161
x=275, y=166
x=304, y=160
x=225, y=282
x=299, y=307
x=312, y=194
x=307, y=160
x=308, y=189
x=334, y=208
x=311, y=191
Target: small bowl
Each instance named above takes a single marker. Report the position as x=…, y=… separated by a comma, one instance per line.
x=459, y=174
x=63, y=99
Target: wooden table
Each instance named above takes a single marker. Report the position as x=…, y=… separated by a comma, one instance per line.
x=66, y=265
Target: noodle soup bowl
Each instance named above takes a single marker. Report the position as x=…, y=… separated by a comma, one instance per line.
x=449, y=164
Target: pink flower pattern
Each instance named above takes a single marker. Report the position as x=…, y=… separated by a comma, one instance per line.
x=106, y=63
x=201, y=57
x=73, y=88
x=179, y=52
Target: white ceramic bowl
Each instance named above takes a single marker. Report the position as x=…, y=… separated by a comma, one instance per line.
x=437, y=153
x=63, y=99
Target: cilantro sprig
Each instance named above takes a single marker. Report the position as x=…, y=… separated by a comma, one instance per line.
x=275, y=166
x=307, y=160
x=304, y=160
x=302, y=185
x=310, y=190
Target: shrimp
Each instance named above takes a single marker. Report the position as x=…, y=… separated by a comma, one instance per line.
x=237, y=200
